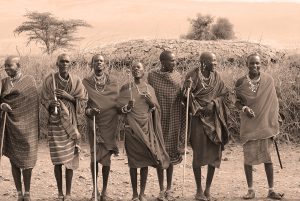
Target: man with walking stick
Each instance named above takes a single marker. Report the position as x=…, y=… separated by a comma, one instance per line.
x=65, y=94
x=208, y=105
x=144, y=139
x=20, y=107
x=102, y=122
x=258, y=102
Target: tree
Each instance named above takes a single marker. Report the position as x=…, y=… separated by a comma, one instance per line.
x=50, y=32
x=223, y=29
x=203, y=28
x=200, y=28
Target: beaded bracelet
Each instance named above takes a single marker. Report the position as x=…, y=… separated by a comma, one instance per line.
x=124, y=109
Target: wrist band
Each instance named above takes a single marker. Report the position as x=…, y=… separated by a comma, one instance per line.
x=152, y=109
x=124, y=109
x=244, y=108
x=88, y=111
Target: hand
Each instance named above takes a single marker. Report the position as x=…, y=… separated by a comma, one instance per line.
x=94, y=111
x=130, y=105
x=52, y=105
x=187, y=84
x=5, y=107
x=249, y=112
x=149, y=101
x=63, y=94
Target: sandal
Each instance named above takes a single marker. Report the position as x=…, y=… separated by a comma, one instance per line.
x=275, y=196
x=68, y=198
x=26, y=196
x=169, y=195
x=20, y=196
x=142, y=197
x=135, y=199
x=250, y=195
x=161, y=196
x=200, y=197
x=207, y=195
x=104, y=197
x=60, y=198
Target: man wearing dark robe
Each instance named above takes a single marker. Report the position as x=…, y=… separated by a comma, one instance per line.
x=208, y=131
x=143, y=134
x=19, y=102
x=103, y=93
x=258, y=102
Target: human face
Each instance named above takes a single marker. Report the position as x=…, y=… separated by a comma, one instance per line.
x=254, y=64
x=138, y=70
x=98, y=64
x=168, y=63
x=11, y=68
x=64, y=64
x=210, y=63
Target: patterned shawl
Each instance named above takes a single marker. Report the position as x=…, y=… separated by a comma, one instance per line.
x=167, y=88
x=215, y=125
x=63, y=132
x=146, y=125
x=22, y=123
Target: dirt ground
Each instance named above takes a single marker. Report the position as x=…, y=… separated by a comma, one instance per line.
x=229, y=182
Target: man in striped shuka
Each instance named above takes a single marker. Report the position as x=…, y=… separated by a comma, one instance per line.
x=66, y=94
x=19, y=104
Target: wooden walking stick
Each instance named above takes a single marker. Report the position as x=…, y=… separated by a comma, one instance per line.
x=95, y=158
x=278, y=155
x=2, y=136
x=54, y=87
x=186, y=132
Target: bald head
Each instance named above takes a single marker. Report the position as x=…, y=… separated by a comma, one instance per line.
x=12, y=66
x=62, y=56
x=167, y=60
x=208, y=61
x=251, y=56
x=13, y=59
x=165, y=55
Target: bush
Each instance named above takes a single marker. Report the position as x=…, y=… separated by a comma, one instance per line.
x=202, y=28
x=223, y=29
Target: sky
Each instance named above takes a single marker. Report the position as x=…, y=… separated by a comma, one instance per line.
x=270, y=22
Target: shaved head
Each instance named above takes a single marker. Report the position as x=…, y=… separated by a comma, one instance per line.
x=252, y=55
x=205, y=56
x=14, y=59
x=165, y=55
x=61, y=56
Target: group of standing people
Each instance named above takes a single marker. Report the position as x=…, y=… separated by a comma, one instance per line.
x=153, y=112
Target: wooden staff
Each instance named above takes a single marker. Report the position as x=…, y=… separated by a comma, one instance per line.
x=278, y=155
x=2, y=137
x=54, y=88
x=186, y=133
x=95, y=158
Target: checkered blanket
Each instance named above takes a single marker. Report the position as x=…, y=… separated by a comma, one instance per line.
x=167, y=88
x=22, y=123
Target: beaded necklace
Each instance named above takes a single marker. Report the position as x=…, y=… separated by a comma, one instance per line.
x=63, y=82
x=144, y=92
x=100, y=81
x=203, y=79
x=254, y=84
